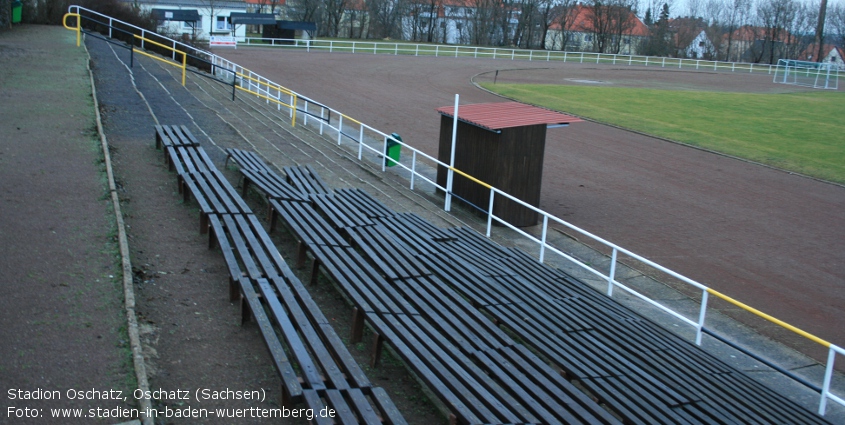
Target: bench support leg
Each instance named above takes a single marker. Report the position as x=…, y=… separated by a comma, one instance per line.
x=357, y=326
x=246, y=314
x=300, y=255
x=234, y=291
x=284, y=397
x=245, y=186
x=315, y=271
x=378, y=342
x=204, y=225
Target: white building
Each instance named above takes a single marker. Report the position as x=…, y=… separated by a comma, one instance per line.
x=196, y=18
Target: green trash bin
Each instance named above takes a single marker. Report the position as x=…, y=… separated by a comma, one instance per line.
x=17, y=6
x=393, y=150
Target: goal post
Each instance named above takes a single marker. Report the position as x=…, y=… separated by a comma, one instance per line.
x=818, y=75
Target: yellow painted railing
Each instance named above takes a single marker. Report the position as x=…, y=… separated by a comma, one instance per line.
x=278, y=88
x=77, y=28
x=183, y=65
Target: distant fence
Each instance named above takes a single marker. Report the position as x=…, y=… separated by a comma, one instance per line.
x=456, y=51
x=366, y=138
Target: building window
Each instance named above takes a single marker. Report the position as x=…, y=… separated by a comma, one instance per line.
x=222, y=24
x=588, y=37
x=188, y=25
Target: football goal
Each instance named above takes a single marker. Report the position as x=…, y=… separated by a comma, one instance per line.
x=818, y=75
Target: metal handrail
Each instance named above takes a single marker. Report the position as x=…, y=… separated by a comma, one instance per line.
x=253, y=78
x=425, y=49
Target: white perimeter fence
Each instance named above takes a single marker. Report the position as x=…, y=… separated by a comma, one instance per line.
x=457, y=51
x=341, y=127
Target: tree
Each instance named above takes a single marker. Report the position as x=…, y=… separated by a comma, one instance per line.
x=836, y=23
x=610, y=21
x=384, y=17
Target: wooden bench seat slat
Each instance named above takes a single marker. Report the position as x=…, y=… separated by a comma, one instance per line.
x=306, y=180
x=364, y=203
x=388, y=257
x=343, y=414
x=532, y=397
x=246, y=160
x=290, y=382
x=432, y=298
x=306, y=224
x=389, y=412
x=316, y=404
x=362, y=406
x=537, y=370
x=412, y=354
x=469, y=376
x=340, y=215
x=273, y=186
x=310, y=372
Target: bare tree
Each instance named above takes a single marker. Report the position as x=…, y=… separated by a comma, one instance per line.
x=332, y=16
x=384, y=17
x=611, y=20
x=836, y=22
x=305, y=10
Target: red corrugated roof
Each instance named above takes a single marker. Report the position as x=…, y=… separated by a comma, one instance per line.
x=496, y=116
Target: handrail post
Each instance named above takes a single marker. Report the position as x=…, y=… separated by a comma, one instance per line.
x=451, y=174
x=413, y=167
x=184, y=65
x=543, y=237
x=339, y=128
x=701, y=316
x=490, y=211
x=384, y=155
x=611, y=277
x=361, y=142
x=828, y=376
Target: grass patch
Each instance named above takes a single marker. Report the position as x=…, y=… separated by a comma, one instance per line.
x=800, y=132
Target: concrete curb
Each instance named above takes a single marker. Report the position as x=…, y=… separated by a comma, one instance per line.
x=128, y=285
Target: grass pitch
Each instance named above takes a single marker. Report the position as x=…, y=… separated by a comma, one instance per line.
x=800, y=132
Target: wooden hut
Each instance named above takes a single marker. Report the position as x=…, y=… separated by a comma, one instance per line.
x=501, y=144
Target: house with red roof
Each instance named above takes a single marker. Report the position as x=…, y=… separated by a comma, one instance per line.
x=830, y=54
x=613, y=30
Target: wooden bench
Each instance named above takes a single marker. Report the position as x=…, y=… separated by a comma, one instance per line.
x=214, y=195
x=306, y=225
x=622, y=359
x=246, y=160
x=320, y=356
x=306, y=180
x=364, y=202
x=435, y=332
x=340, y=213
x=174, y=136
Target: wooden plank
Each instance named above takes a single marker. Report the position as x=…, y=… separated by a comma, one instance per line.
x=467, y=380
x=358, y=401
x=314, y=338
x=429, y=369
x=310, y=371
x=306, y=180
x=340, y=215
x=314, y=402
x=283, y=366
x=389, y=412
x=273, y=186
x=343, y=413
x=306, y=224
x=364, y=202
x=387, y=256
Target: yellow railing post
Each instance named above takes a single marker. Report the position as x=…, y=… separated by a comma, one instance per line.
x=78, y=27
x=184, y=65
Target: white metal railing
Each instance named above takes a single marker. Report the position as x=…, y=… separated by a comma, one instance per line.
x=346, y=127
x=422, y=49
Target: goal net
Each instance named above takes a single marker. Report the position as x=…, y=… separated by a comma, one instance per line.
x=818, y=75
